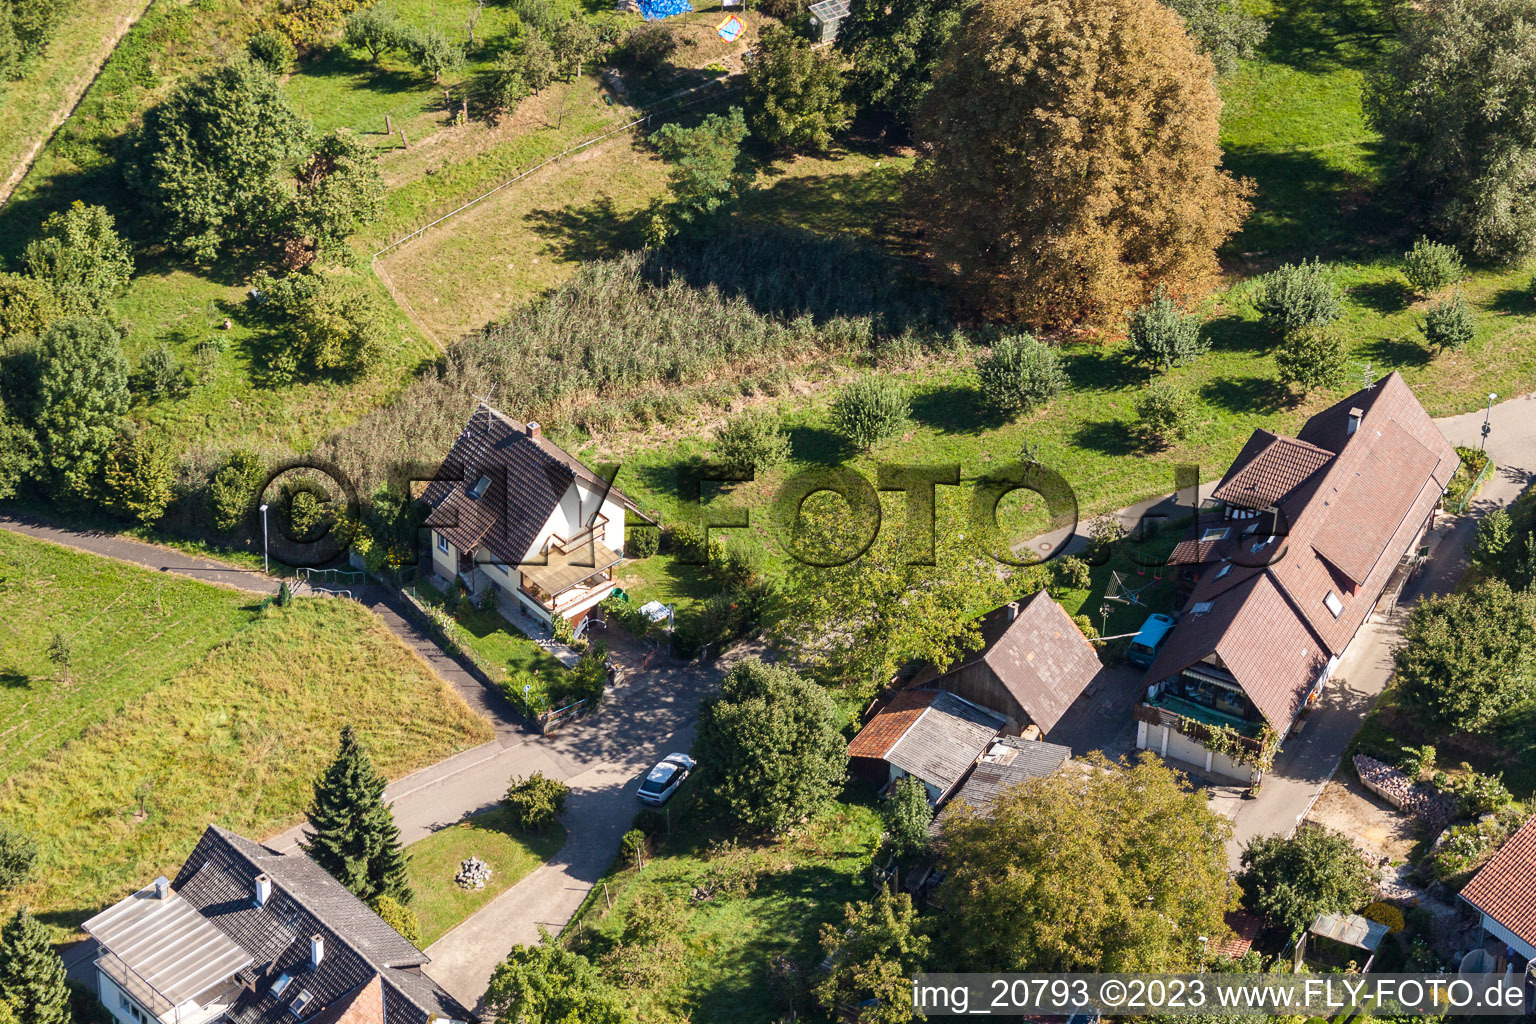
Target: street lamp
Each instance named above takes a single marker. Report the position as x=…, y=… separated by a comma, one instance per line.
x=266, y=560
x=1482, y=445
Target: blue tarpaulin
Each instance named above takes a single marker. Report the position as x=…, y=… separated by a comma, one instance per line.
x=655, y=10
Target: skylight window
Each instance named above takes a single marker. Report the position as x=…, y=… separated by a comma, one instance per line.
x=1223, y=570
x=1333, y=604
x=1214, y=533
x=1251, y=527
x=479, y=488
x=300, y=1003
x=1200, y=608
x=281, y=985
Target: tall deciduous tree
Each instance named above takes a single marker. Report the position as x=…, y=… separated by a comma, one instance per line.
x=1468, y=658
x=352, y=832
x=794, y=94
x=339, y=188
x=209, y=161
x=1316, y=871
x=772, y=746
x=874, y=953
x=1116, y=869
x=27, y=305
x=1072, y=160
x=1456, y=100
x=1226, y=33
x=858, y=622
x=137, y=475
x=81, y=396
x=81, y=258
x=908, y=816
x=549, y=984
x=18, y=453
x=895, y=47
x=31, y=974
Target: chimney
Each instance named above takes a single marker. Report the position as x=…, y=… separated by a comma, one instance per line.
x=316, y=950
x=534, y=430
x=1013, y=610
x=263, y=889
x=1354, y=419
x=162, y=888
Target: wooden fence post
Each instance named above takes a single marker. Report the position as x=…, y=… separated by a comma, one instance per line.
x=388, y=130
x=403, y=143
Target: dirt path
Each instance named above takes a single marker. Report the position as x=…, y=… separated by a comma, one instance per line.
x=74, y=92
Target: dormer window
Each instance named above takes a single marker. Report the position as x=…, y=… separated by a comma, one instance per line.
x=1333, y=604
x=479, y=488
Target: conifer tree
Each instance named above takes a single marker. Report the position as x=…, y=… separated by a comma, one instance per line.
x=31, y=974
x=352, y=833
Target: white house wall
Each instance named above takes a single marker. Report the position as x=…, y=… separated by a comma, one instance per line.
x=574, y=512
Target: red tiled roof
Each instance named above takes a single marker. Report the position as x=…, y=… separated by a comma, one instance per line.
x=1505, y=888
x=1268, y=468
x=881, y=732
x=1349, y=523
x=1245, y=929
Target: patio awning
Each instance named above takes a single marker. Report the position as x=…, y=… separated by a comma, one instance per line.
x=166, y=944
x=567, y=571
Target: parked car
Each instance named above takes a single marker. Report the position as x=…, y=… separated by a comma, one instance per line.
x=662, y=781
x=1154, y=633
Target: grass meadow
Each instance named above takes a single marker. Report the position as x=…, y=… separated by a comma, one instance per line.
x=185, y=704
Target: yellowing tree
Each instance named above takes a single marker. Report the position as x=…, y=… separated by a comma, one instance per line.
x=1071, y=160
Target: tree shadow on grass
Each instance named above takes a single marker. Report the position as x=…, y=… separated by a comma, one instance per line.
x=1512, y=300
x=1245, y=394
x=1320, y=35
x=1237, y=334
x=1108, y=437
x=1101, y=369
x=368, y=77
x=955, y=409
x=593, y=231
x=1383, y=296
x=818, y=445
x=1307, y=205
x=1385, y=354
x=13, y=678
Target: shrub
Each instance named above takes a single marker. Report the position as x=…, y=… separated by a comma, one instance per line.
x=1311, y=358
x=907, y=816
x=232, y=490
x=1464, y=848
x=18, y=853
x=1019, y=372
x=399, y=917
x=1430, y=266
x=1163, y=335
x=433, y=52
x=648, y=821
x=161, y=374
x=1479, y=793
x=1417, y=762
x=641, y=541
x=647, y=47
x=1297, y=295
x=1449, y=324
x=651, y=916
x=633, y=844
x=1070, y=573
x=752, y=440
x=870, y=410
x=1387, y=914
x=1166, y=413
x=536, y=800
x=272, y=49
x=794, y=95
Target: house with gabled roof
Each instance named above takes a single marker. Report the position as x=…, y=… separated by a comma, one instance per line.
x=247, y=935
x=1032, y=664
x=513, y=511
x=930, y=735
x=1302, y=539
x=1503, y=893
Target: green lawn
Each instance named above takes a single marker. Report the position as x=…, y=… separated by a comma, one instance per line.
x=186, y=704
x=783, y=893
x=503, y=650
x=510, y=852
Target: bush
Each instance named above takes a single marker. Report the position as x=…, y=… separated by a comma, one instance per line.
x=869, y=410
x=1163, y=335
x=633, y=844
x=653, y=915
x=648, y=821
x=1417, y=762
x=399, y=917
x=18, y=853
x=232, y=490
x=1311, y=358
x=794, y=95
x=907, y=816
x=1019, y=372
x=647, y=47
x=1449, y=324
x=641, y=541
x=1430, y=266
x=273, y=50
x=1465, y=848
x=161, y=374
x=1293, y=880
x=752, y=440
x=1479, y=793
x=1070, y=573
x=1387, y=914
x=1166, y=413
x=1297, y=295
x=536, y=801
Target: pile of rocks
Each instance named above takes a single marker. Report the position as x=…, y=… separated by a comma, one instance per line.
x=473, y=874
x=1426, y=803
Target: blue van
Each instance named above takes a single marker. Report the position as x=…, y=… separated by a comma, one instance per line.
x=1154, y=632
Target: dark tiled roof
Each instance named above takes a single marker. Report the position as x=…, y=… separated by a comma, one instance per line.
x=219, y=879
x=1505, y=888
x=1349, y=524
x=882, y=731
x=527, y=477
x=940, y=746
x=1041, y=658
x=1009, y=761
